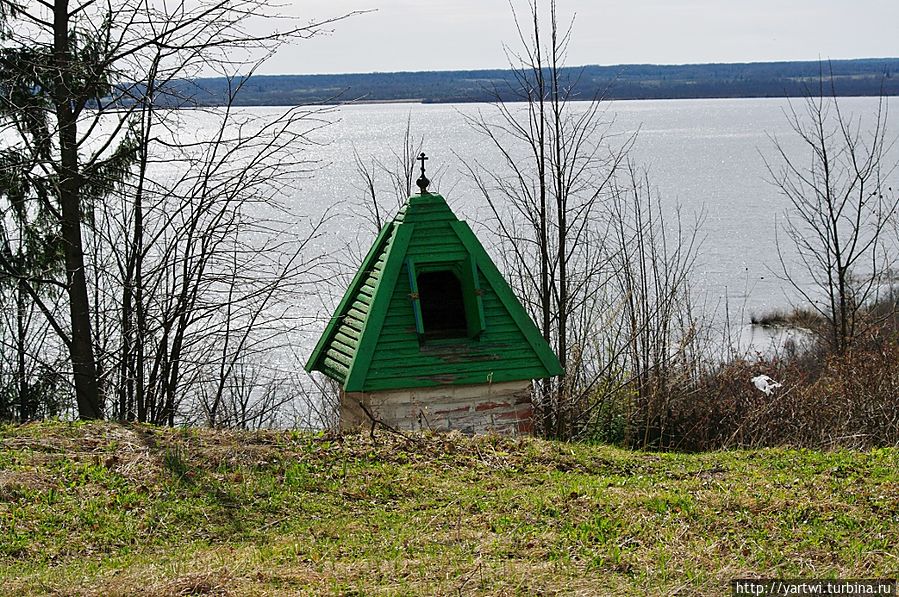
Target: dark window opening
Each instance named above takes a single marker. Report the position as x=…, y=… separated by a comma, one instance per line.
x=442, y=305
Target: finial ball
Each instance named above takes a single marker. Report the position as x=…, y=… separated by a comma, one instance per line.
x=422, y=181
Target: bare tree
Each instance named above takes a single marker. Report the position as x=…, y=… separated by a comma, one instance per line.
x=32, y=385
x=86, y=87
x=652, y=257
x=840, y=208
x=559, y=161
x=400, y=174
x=218, y=266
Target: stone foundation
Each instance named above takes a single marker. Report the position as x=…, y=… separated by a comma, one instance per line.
x=502, y=408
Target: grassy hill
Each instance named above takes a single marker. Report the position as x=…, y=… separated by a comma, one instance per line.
x=106, y=509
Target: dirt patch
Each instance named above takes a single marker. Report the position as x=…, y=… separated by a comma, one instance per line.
x=213, y=583
x=12, y=482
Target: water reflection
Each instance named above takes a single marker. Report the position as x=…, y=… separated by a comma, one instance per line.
x=769, y=341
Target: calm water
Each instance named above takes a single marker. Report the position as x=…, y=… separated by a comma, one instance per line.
x=705, y=155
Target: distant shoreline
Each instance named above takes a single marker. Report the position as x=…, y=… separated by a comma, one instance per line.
x=850, y=78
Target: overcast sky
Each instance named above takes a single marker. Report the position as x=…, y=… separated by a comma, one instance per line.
x=405, y=35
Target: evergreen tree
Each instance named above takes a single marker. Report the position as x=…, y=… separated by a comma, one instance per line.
x=55, y=70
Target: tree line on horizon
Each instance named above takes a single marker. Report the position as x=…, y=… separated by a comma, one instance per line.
x=860, y=77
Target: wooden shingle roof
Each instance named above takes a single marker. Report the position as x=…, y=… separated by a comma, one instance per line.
x=374, y=342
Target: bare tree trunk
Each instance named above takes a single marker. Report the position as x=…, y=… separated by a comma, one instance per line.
x=87, y=390
x=21, y=372
x=560, y=178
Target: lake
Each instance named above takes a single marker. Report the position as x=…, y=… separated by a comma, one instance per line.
x=705, y=155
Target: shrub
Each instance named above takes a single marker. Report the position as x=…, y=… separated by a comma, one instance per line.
x=832, y=401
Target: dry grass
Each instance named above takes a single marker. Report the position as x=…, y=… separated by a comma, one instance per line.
x=806, y=319
x=102, y=509
x=826, y=402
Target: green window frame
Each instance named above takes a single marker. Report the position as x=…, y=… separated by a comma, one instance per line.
x=466, y=270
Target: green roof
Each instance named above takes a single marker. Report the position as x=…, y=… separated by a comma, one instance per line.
x=377, y=339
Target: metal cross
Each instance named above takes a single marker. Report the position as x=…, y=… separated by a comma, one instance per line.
x=423, y=181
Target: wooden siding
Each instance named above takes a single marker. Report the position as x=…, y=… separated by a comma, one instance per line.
x=337, y=347
x=372, y=343
x=501, y=353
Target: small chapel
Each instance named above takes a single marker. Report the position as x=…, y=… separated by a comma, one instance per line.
x=429, y=335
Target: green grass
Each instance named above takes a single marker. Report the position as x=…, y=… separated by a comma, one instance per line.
x=110, y=510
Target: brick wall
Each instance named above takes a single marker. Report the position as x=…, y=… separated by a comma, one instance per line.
x=503, y=408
